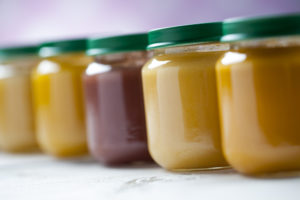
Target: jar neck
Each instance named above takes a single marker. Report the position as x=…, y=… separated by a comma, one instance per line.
x=25, y=63
x=128, y=59
x=17, y=66
x=274, y=42
x=203, y=47
x=74, y=58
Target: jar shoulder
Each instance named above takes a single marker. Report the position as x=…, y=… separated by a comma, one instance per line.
x=51, y=66
x=188, y=60
x=260, y=56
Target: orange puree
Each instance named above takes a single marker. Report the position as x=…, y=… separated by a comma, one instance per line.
x=181, y=110
x=58, y=103
x=259, y=97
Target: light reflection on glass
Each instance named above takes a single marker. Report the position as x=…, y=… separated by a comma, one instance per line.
x=96, y=68
x=48, y=67
x=6, y=71
x=233, y=57
x=155, y=63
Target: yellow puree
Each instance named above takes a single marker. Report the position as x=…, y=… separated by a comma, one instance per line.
x=259, y=97
x=182, y=112
x=17, y=132
x=58, y=101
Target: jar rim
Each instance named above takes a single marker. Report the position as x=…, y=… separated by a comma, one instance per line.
x=243, y=28
x=54, y=48
x=183, y=35
x=117, y=44
x=18, y=51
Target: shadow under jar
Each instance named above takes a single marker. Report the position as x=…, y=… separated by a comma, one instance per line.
x=259, y=94
x=181, y=97
x=114, y=99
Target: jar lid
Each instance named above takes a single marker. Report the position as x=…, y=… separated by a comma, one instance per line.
x=55, y=48
x=237, y=29
x=18, y=51
x=182, y=35
x=117, y=44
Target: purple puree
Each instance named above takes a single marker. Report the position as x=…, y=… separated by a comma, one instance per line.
x=115, y=114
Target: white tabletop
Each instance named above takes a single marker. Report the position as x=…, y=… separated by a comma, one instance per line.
x=36, y=176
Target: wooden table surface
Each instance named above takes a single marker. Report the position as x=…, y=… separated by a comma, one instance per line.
x=37, y=176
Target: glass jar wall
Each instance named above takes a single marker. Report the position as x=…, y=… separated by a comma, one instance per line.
x=258, y=89
x=17, y=133
x=114, y=99
x=181, y=97
x=58, y=97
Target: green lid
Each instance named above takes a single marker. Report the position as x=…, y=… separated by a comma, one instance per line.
x=182, y=35
x=260, y=27
x=55, y=48
x=21, y=51
x=117, y=44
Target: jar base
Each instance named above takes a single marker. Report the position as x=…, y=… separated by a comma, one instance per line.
x=274, y=175
x=200, y=169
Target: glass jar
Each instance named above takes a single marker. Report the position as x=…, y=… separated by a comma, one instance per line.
x=17, y=132
x=58, y=97
x=114, y=99
x=181, y=97
x=258, y=89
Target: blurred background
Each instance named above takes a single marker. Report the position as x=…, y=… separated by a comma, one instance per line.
x=31, y=21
